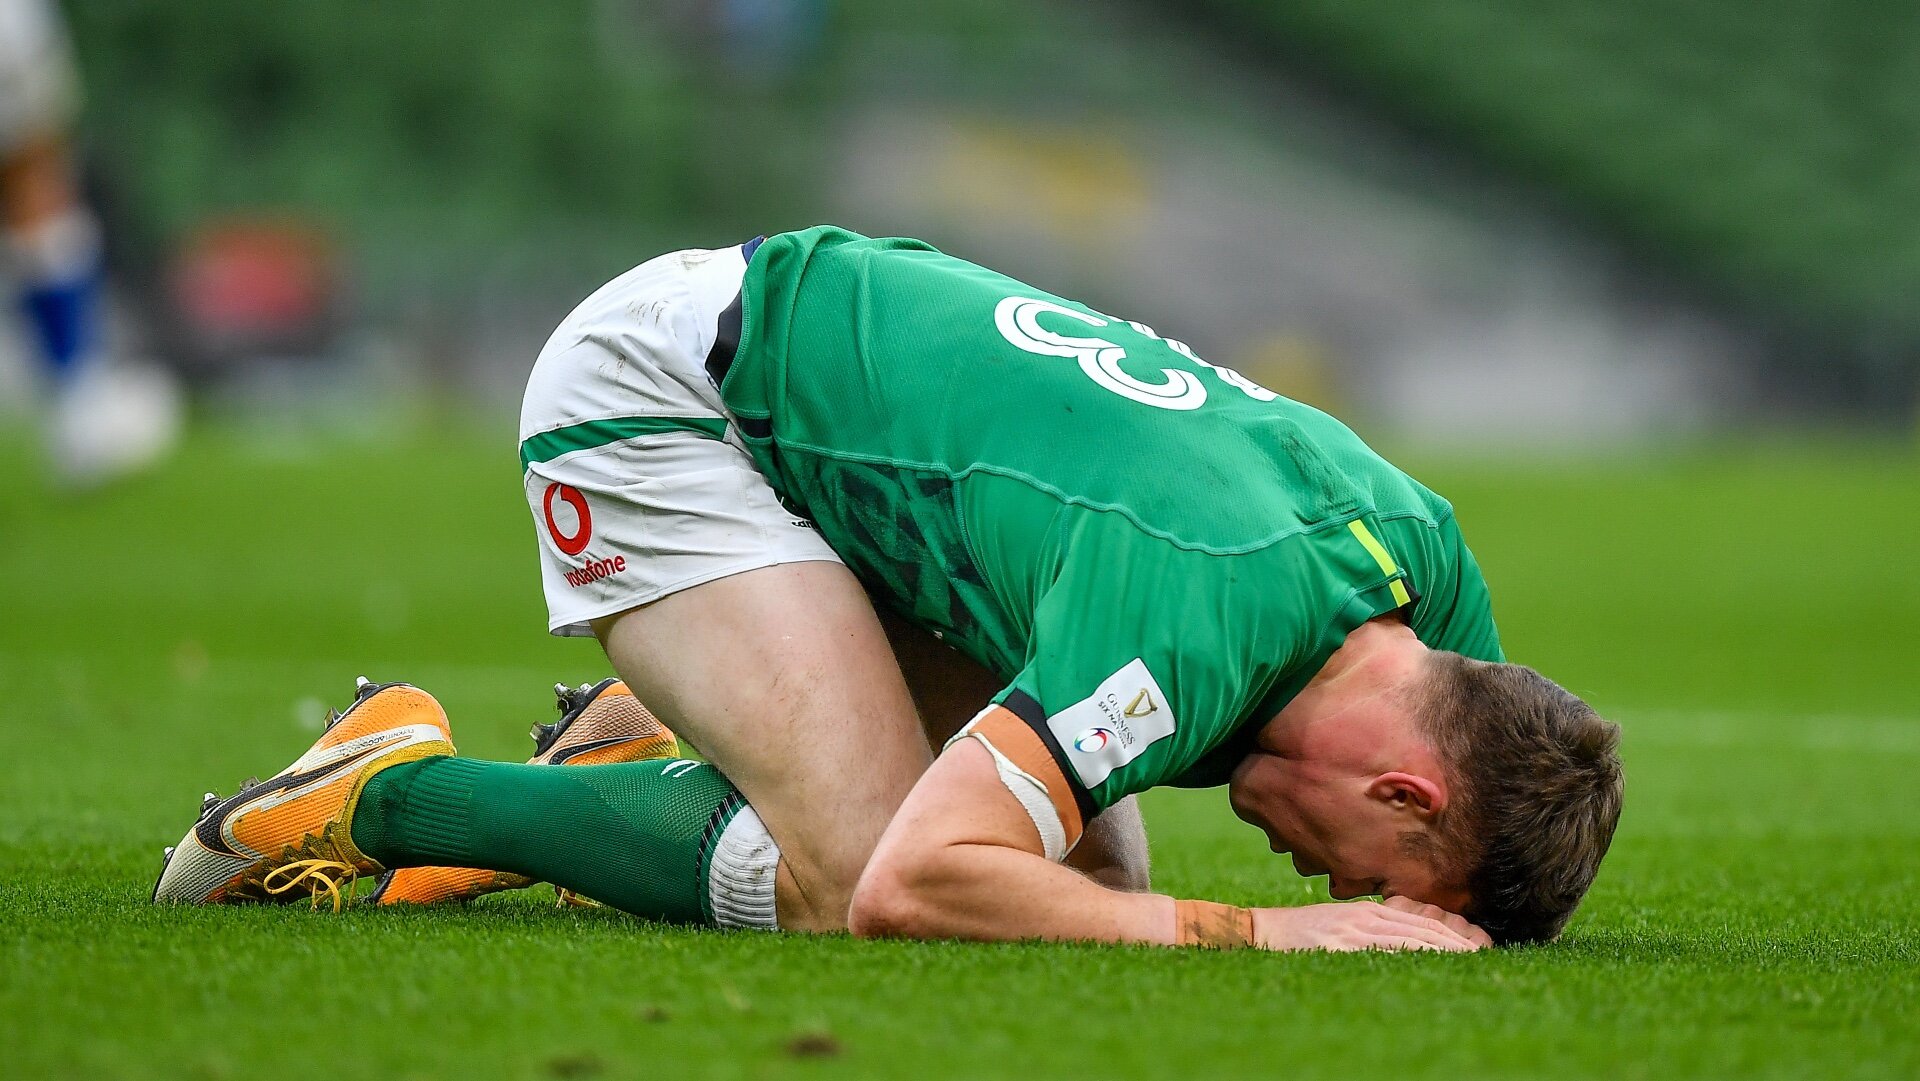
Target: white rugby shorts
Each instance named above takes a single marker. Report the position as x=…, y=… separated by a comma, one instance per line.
x=39, y=91
x=638, y=481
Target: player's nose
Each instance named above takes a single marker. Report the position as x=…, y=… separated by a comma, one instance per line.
x=1346, y=889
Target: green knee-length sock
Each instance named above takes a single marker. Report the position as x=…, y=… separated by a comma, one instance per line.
x=638, y=836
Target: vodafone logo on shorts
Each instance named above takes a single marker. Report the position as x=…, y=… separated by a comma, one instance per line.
x=572, y=529
x=573, y=541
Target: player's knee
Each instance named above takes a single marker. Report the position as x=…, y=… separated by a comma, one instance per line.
x=1114, y=850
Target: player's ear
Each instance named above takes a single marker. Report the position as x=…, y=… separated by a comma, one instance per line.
x=1423, y=796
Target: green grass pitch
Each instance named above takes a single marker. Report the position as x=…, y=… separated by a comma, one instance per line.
x=1748, y=615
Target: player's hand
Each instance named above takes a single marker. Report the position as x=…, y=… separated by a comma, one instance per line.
x=1363, y=925
x=1457, y=923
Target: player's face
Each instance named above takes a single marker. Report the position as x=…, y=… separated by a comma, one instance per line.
x=1332, y=827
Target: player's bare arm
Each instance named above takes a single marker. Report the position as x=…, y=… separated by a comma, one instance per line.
x=1343, y=778
x=948, y=688
x=962, y=859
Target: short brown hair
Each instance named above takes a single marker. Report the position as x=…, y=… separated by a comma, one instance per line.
x=1535, y=791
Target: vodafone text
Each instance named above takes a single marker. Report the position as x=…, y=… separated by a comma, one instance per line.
x=596, y=569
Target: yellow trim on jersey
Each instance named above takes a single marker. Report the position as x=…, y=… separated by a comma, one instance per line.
x=1381, y=556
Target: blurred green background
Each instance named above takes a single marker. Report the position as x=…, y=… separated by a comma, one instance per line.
x=1768, y=147
x=1557, y=221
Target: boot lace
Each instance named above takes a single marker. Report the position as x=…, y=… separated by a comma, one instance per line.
x=329, y=878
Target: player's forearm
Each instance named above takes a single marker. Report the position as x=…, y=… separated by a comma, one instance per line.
x=988, y=892
x=963, y=859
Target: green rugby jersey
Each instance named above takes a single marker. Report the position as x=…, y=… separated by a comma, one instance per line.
x=1155, y=552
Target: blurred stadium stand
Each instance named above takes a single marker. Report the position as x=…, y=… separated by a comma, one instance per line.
x=1771, y=148
x=1543, y=221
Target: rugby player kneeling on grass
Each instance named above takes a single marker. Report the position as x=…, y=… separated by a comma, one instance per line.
x=1156, y=571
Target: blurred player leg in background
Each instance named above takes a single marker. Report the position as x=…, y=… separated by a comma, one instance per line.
x=106, y=419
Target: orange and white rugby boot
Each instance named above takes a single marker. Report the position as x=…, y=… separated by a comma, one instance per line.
x=599, y=723
x=291, y=835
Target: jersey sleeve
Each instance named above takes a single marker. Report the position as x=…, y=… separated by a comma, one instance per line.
x=1457, y=613
x=1145, y=656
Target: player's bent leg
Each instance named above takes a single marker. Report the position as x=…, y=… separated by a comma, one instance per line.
x=599, y=724
x=782, y=677
x=633, y=835
x=381, y=791
x=948, y=687
x=1113, y=850
x=729, y=616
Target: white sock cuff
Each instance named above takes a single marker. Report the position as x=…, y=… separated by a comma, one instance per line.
x=740, y=875
x=60, y=249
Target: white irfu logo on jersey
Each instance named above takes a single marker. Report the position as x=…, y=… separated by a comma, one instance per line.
x=1124, y=716
x=1018, y=320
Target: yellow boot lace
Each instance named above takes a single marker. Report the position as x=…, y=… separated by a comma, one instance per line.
x=320, y=877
